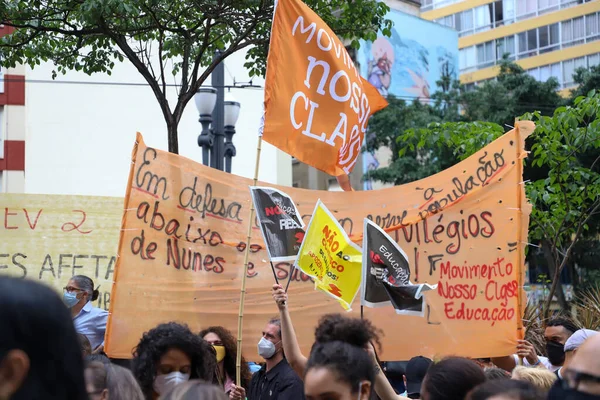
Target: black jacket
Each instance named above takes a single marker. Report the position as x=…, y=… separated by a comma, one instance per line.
x=280, y=383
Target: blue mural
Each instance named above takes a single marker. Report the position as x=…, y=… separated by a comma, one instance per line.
x=408, y=63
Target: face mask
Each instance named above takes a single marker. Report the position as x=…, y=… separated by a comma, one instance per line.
x=70, y=299
x=220, y=352
x=164, y=383
x=266, y=348
x=556, y=353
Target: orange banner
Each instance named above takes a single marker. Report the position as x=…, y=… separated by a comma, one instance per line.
x=183, y=238
x=316, y=103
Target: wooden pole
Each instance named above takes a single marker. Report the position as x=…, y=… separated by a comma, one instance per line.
x=238, y=364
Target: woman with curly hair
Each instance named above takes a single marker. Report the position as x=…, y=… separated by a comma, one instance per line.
x=226, y=348
x=171, y=354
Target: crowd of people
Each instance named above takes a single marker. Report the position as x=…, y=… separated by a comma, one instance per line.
x=52, y=348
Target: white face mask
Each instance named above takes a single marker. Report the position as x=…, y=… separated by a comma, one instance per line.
x=266, y=348
x=164, y=383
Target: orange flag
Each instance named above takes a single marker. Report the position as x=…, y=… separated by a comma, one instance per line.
x=316, y=103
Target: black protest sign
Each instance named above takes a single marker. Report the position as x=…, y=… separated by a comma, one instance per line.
x=280, y=222
x=386, y=274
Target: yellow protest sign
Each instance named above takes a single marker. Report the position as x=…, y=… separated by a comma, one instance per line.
x=329, y=256
x=50, y=238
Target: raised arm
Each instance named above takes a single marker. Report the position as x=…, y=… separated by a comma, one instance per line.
x=383, y=388
x=294, y=356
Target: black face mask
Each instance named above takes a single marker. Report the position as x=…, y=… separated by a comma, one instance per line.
x=556, y=353
x=558, y=392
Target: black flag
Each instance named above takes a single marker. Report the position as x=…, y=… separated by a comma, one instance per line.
x=280, y=222
x=386, y=274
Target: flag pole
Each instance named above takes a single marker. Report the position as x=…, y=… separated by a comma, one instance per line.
x=238, y=364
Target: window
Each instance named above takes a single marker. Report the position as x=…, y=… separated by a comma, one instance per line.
x=467, y=59
x=486, y=54
x=568, y=71
x=483, y=18
x=526, y=8
x=528, y=43
x=535, y=72
x=508, y=11
x=548, y=36
x=546, y=6
x=466, y=21
x=578, y=30
x=591, y=26
x=593, y=60
x=505, y=46
x=555, y=72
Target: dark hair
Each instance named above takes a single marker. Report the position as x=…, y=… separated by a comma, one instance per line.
x=514, y=389
x=35, y=321
x=496, y=373
x=350, y=364
x=84, y=343
x=566, y=323
x=452, y=378
x=156, y=342
x=355, y=331
x=87, y=284
x=229, y=362
x=277, y=322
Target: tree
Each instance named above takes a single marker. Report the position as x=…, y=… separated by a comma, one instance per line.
x=513, y=93
x=567, y=200
x=586, y=80
x=92, y=35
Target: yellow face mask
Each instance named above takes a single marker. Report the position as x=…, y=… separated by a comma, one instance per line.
x=220, y=352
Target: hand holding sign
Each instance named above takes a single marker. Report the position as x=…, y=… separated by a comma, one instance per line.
x=280, y=296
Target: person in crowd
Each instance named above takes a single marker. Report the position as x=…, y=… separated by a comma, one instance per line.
x=195, y=390
x=276, y=380
x=171, y=354
x=108, y=381
x=97, y=357
x=338, y=370
x=395, y=372
x=495, y=373
x=86, y=347
x=89, y=320
x=505, y=390
x=557, y=331
x=334, y=327
x=572, y=344
x=541, y=378
x=416, y=369
x=226, y=349
x=581, y=379
x=451, y=379
x=40, y=357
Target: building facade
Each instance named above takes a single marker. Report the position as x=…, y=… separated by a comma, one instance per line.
x=12, y=126
x=548, y=38
x=74, y=134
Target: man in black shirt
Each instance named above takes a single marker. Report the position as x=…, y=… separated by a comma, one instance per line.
x=276, y=380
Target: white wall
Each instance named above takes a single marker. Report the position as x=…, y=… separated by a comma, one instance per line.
x=80, y=135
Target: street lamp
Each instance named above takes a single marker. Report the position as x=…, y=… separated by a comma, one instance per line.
x=231, y=114
x=218, y=116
